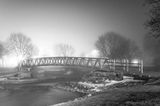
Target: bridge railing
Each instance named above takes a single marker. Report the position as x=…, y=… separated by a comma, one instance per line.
x=101, y=63
x=125, y=65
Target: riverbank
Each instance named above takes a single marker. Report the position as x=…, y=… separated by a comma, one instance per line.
x=132, y=96
x=135, y=90
x=27, y=92
x=98, y=81
x=147, y=94
x=98, y=88
x=89, y=88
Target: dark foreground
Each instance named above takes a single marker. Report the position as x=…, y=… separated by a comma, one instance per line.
x=145, y=94
x=46, y=93
x=134, y=96
x=40, y=94
x=41, y=91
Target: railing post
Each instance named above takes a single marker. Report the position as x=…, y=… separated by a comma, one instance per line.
x=142, y=66
x=124, y=64
x=127, y=65
x=19, y=67
x=109, y=63
x=114, y=64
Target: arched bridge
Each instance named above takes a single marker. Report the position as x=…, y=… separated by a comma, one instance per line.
x=100, y=63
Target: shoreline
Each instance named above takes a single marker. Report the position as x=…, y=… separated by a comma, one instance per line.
x=89, y=89
x=138, y=95
x=89, y=94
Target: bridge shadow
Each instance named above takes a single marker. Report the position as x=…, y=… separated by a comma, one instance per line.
x=69, y=73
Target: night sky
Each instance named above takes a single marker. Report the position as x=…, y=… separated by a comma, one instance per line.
x=75, y=22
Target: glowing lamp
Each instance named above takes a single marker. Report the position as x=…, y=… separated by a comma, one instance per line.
x=135, y=61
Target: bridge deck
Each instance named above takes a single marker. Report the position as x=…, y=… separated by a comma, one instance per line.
x=99, y=63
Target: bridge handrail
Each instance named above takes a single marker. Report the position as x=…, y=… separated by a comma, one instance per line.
x=82, y=61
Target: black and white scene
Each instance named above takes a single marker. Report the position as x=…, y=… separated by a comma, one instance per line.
x=79, y=52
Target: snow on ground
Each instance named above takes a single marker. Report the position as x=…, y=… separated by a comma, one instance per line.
x=96, y=87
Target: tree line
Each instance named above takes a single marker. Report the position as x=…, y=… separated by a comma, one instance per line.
x=111, y=44
x=19, y=45
x=115, y=46
x=152, y=38
x=22, y=47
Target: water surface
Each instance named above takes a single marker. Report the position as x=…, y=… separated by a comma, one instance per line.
x=34, y=95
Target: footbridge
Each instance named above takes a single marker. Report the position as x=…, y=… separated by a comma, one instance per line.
x=99, y=63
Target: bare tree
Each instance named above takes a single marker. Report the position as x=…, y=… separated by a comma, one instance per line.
x=82, y=54
x=64, y=50
x=20, y=45
x=115, y=46
x=152, y=48
x=152, y=39
x=154, y=13
x=134, y=50
x=3, y=51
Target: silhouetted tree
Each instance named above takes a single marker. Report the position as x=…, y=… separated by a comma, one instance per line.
x=134, y=50
x=64, y=50
x=152, y=48
x=1, y=50
x=154, y=12
x=115, y=46
x=20, y=45
x=152, y=39
x=82, y=54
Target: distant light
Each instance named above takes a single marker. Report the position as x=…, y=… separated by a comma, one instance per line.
x=135, y=61
x=93, y=53
x=11, y=60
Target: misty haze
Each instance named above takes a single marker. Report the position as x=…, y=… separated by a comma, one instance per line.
x=79, y=53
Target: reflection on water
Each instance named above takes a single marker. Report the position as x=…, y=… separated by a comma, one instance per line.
x=42, y=93
x=34, y=95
